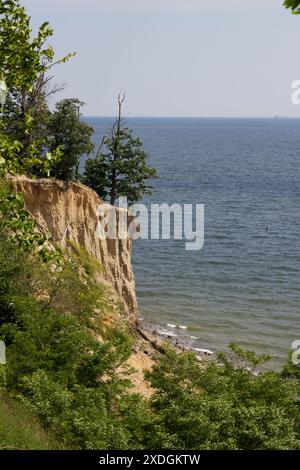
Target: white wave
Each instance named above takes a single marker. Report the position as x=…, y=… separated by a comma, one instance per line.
x=168, y=333
x=204, y=351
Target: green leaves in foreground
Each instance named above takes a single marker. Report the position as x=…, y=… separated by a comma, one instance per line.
x=294, y=5
x=215, y=405
x=21, y=228
x=25, y=63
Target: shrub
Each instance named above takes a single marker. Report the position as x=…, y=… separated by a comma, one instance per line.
x=223, y=405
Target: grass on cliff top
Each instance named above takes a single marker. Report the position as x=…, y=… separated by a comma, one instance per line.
x=20, y=430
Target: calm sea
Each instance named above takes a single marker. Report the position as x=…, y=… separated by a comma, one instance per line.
x=243, y=286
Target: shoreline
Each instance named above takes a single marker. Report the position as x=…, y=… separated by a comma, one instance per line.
x=157, y=337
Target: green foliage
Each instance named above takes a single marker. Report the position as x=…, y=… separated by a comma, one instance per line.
x=66, y=377
x=74, y=136
x=120, y=167
x=22, y=57
x=13, y=160
x=9, y=151
x=25, y=61
x=38, y=115
x=80, y=416
x=96, y=175
x=120, y=170
x=294, y=5
x=30, y=158
x=223, y=406
x=291, y=370
x=91, y=265
x=244, y=358
x=44, y=339
x=22, y=229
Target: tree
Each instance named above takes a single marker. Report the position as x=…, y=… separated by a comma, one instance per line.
x=294, y=5
x=25, y=62
x=14, y=124
x=120, y=166
x=74, y=136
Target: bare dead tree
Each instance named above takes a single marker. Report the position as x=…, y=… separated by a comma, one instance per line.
x=118, y=122
x=42, y=90
x=116, y=132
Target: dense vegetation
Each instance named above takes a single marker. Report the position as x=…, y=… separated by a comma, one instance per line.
x=66, y=383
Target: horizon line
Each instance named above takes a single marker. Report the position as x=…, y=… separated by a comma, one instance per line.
x=281, y=117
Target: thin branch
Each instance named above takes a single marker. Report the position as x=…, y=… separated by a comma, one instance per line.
x=100, y=146
x=55, y=89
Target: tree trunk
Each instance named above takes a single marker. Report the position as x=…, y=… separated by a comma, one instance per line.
x=116, y=132
x=113, y=192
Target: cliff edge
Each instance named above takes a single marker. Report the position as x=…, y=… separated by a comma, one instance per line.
x=68, y=213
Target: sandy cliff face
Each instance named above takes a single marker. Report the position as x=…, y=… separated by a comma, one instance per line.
x=68, y=212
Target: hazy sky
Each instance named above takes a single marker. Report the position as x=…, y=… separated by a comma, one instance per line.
x=176, y=57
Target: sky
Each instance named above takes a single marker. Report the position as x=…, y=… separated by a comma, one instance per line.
x=198, y=58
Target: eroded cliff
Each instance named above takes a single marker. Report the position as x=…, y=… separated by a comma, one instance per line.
x=69, y=212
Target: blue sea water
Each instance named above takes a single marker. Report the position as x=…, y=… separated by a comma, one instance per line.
x=243, y=286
